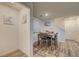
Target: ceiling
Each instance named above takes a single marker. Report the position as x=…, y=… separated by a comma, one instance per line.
x=55, y=9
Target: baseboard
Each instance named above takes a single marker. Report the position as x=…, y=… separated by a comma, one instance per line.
x=8, y=52
x=11, y=52
x=4, y=53
x=24, y=52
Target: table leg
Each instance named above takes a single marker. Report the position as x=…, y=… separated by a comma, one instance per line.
x=38, y=40
x=51, y=43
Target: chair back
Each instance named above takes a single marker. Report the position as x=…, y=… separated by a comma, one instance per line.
x=43, y=35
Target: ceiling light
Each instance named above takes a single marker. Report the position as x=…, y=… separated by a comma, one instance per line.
x=46, y=14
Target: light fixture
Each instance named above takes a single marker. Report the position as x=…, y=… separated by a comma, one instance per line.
x=46, y=14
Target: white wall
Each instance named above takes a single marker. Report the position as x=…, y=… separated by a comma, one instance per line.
x=30, y=5
x=60, y=22
x=77, y=29
x=72, y=28
x=8, y=33
x=24, y=31
x=38, y=26
x=16, y=36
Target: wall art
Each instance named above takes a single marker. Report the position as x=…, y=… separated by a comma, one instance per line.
x=24, y=19
x=8, y=20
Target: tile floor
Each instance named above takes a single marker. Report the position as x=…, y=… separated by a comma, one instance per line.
x=69, y=48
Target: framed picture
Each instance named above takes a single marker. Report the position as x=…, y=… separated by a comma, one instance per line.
x=7, y=20
x=24, y=19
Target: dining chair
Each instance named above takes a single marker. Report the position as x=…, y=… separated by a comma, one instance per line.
x=54, y=42
x=43, y=39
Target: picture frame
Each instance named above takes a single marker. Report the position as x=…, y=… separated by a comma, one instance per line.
x=8, y=20
x=24, y=19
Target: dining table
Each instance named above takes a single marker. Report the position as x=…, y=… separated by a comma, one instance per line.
x=46, y=36
x=49, y=37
